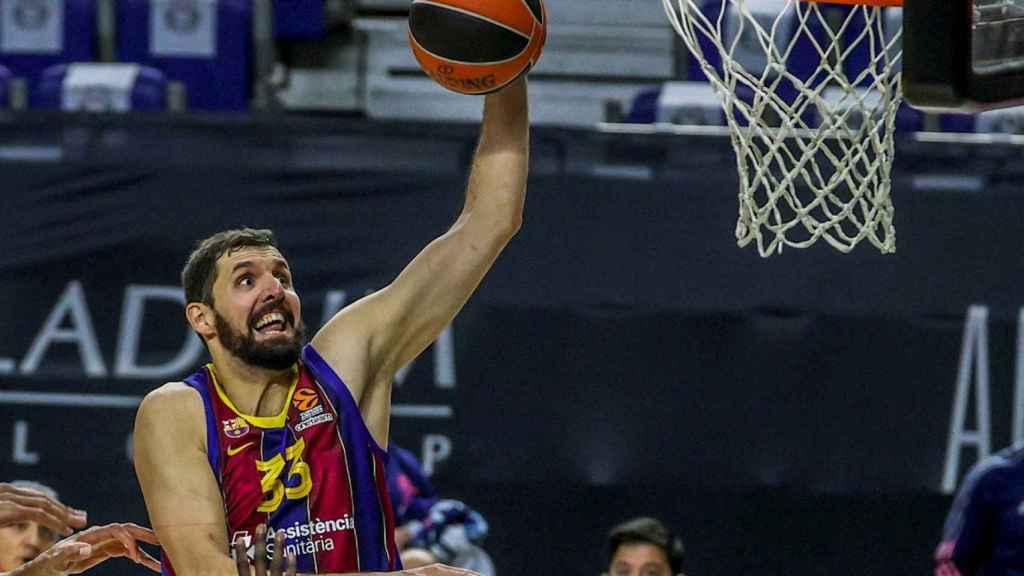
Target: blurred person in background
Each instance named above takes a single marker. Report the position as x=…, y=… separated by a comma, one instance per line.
x=984, y=530
x=644, y=547
x=293, y=435
x=32, y=521
x=432, y=529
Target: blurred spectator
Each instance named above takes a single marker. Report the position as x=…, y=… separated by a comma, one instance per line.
x=431, y=529
x=644, y=547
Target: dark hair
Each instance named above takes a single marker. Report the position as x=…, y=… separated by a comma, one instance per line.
x=646, y=530
x=200, y=271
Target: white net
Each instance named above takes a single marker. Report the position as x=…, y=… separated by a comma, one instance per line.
x=810, y=92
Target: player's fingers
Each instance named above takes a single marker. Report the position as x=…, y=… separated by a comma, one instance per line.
x=121, y=534
x=292, y=565
x=66, y=556
x=241, y=560
x=260, y=562
x=150, y=562
x=278, y=560
x=41, y=516
x=37, y=500
x=141, y=533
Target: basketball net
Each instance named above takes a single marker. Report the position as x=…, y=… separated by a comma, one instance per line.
x=810, y=93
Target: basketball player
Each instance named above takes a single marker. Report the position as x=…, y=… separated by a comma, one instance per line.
x=982, y=533
x=644, y=547
x=291, y=436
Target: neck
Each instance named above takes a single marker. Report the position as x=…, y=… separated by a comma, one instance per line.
x=254, y=391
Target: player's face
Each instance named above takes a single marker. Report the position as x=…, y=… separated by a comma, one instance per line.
x=257, y=312
x=22, y=542
x=639, y=559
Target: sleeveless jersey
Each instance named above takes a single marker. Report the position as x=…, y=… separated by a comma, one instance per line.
x=313, y=471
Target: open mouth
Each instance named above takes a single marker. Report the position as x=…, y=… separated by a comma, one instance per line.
x=275, y=322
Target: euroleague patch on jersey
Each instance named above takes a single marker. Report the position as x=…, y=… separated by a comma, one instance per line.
x=236, y=427
x=312, y=418
x=305, y=399
x=311, y=411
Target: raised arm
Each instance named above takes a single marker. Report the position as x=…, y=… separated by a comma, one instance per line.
x=368, y=341
x=181, y=493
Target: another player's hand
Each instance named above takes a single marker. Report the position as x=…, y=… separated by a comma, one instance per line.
x=259, y=565
x=27, y=505
x=81, y=551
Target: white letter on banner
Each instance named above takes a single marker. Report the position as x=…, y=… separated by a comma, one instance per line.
x=444, y=361
x=130, y=332
x=333, y=302
x=974, y=349
x=21, y=453
x=71, y=301
x=436, y=448
x=129, y=447
x=1018, y=384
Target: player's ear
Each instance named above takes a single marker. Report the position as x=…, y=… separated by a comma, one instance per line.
x=200, y=318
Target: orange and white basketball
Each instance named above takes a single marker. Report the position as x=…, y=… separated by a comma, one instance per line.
x=477, y=46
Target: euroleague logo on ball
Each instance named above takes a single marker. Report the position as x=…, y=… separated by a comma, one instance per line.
x=477, y=46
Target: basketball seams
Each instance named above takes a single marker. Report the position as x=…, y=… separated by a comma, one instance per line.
x=530, y=10
x=475, y=15
x=420, y=47
x=471, y=50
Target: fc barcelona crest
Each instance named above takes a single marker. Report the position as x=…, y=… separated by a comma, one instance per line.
x=236, y=427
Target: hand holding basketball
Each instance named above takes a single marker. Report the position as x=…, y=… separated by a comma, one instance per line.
x=477, y=46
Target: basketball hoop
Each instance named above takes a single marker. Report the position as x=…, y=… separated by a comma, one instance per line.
x=810, y=92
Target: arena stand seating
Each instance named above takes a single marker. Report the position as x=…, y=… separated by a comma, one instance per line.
x=36, y=34
x=605, y=61
x=93, y=87
x=204, y=44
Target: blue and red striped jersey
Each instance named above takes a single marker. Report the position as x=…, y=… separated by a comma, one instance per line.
x=313, y=470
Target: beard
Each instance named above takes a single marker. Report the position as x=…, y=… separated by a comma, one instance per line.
x=279, y=355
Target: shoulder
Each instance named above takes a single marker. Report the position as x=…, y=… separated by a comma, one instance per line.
x=172, y=395
x=1005, y=465
x=173, y=405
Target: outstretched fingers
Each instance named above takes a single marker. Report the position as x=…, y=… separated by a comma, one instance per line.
x=241, y=558
x=292, y=565
x=261, y=551
x=278, y=560
x=21, y=504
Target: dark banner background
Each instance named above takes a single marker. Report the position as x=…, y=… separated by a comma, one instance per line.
x=788, y=416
